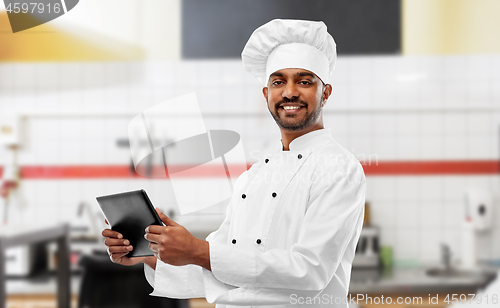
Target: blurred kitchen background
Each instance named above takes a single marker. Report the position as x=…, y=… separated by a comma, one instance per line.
x=416, y=98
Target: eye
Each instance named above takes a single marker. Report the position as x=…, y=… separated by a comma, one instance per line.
x=277, y=83
x=305, y=82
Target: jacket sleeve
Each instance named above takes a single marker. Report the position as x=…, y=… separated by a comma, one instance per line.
x=332, y=221
x=184, y=281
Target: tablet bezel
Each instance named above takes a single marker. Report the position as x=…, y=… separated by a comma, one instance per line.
x=148, y=203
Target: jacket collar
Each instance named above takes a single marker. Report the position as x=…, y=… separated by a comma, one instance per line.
x=308, y=139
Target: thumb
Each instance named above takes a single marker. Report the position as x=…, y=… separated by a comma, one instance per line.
x=166, y=220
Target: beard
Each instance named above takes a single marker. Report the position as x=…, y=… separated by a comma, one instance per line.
x=296, y=124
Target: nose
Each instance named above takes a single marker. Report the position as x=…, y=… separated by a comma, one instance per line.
x=290, y=91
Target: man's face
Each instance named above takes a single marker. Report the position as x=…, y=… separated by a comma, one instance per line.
x=295, y=98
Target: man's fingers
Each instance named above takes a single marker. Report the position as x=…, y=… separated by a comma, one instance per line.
x=106, y=221
x=155, y=229
x=116, y=242
x=166, y=220
x=112, y=234
x=154, y=238
x=119, y=249
x=153, y=247
x=115, y=256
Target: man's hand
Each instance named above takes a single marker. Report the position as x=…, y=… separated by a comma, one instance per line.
x=173, y=244
x=118, y=248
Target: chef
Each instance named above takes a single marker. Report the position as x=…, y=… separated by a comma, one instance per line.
x=294, y=219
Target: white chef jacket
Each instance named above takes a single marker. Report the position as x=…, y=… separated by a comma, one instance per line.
x=289, y=234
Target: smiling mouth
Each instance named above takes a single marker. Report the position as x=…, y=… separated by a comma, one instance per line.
x=291, y=107
x=291, y=110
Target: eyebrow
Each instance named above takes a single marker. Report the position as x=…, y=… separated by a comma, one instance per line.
x=305, y=74
x=300, y=74
x=276, y=74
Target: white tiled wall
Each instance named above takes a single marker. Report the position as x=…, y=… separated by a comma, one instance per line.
x=392, y=108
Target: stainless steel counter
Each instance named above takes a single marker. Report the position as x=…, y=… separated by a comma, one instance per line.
x=59, y=234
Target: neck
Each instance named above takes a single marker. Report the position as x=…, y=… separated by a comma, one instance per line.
x=287, y=136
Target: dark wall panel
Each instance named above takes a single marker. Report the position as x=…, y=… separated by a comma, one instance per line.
x=220, y=28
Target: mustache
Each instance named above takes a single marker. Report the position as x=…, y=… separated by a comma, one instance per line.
x=287, y=100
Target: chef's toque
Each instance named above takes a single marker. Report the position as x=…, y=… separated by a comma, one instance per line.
x=286, y=43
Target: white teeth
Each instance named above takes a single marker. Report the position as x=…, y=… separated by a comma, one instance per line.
x=291, y=107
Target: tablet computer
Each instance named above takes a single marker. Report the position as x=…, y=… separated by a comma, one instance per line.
x=130, y=213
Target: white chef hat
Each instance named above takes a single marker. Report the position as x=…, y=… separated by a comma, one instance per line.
x=287, y=43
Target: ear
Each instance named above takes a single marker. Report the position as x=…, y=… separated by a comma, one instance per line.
x=327, y=91
x=264, y=91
